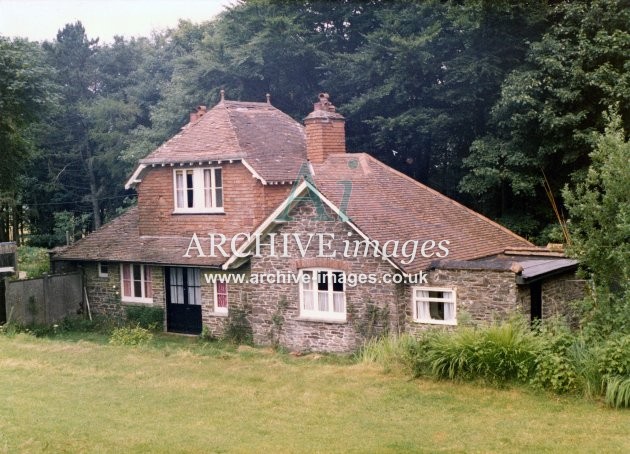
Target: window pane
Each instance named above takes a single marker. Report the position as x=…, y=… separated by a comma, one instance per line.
x=308, y=300
x=176, y=286
x=207, y=187
x=126, y=280
x=322, y=301
x=137, y=281
x=194, y=289
x=218, y=179
x=337, y=281
x=190, y=190
x=322, y=280
x=436, y=310
x=434, y=294
x=148, y=282
x=219, y=197
x=222, y=295
x=449, y=311
x=338, y=305
x=179, y=188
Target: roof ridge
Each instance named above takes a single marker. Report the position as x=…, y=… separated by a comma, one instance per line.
x=232, y=125
x=446, y=198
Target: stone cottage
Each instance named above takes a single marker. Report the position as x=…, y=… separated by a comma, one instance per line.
x=247, y=213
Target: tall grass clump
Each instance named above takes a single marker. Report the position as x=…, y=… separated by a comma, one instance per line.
x=499, y=353
x=613, y=363
x=391, y=352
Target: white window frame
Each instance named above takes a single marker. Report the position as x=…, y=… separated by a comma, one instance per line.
x=330, y=314
x=135, y=299
x=423, y=315
x=199, y=196
x=100, y=269
x=221, y=310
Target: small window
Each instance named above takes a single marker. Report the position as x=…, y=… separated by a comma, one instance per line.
x=103, y=269
x=220, y=298
x=137, y=283
x=198, y=190
x=322, y=294
x=434, y=305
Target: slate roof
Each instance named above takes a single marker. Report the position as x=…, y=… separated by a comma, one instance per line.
x=528, y=268
x=388, y=205
x=271, y=142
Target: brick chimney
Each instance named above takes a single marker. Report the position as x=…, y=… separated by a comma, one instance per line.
x=198, y=113
x=325, y=131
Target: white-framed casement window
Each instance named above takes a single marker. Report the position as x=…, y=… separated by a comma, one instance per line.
x=136, y=283
x=434, y=305
x=322, y=294
x=220, y=298
x=103, y=269
x=198, y=190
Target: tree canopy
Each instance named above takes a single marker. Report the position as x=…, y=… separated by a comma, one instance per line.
x=477, y=99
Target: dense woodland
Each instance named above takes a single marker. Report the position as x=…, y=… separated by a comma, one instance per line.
x=497, y=104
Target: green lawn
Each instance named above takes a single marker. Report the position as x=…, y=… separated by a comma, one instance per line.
x=182, y=396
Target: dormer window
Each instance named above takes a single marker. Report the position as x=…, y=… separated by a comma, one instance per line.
x=198, y=190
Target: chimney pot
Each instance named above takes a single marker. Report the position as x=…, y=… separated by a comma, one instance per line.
x=325, y=131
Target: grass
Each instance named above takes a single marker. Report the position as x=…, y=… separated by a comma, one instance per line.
x=182, y=395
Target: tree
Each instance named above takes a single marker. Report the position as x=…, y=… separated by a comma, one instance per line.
x=26, y=93
x=548, y=110
x=421, y=86
x=600, y=229
x=600, y=210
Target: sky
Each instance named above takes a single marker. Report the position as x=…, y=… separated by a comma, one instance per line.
x=39, y=20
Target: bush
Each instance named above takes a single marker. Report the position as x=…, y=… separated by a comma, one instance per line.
x=498, y=353
x=238, y=330
x=554, y=368
x=130, y=336
x=33, y=260
x=151, y=318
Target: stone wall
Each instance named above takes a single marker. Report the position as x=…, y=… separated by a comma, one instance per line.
x=238, y=299
x=484, y=295
x=559, y=291
x=372, y=309
x=104, y=292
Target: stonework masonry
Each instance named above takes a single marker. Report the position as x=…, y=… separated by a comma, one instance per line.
x=104, y=292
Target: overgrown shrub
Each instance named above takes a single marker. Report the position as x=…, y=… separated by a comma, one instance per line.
x=554, y=369
x=130, y=336
x=238, y=330
x=497, y=354
x=151, y=318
